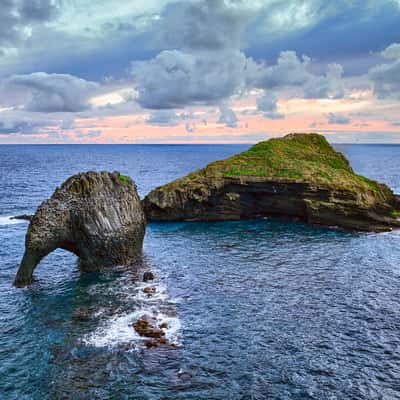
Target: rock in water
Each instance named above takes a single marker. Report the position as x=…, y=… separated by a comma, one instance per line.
x=97, y=216
x=25, y=217
x=299, y=176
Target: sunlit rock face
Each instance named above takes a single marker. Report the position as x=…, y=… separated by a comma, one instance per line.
x=299, y=176
x=97, y=216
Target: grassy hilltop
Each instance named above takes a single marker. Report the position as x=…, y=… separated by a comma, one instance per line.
x=295, y=158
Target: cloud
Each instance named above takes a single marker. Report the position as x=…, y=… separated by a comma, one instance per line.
x=202, y=61
x=392, y=52
x=68, y=123
x=336, y=119
x=190, y=127
x=42, y=92
x=206, y=64
x=91, y=134
x=23, y=126
x=328, y=86
x=204, y=24
x=18, y=19
x=326, y=30
x=163, y=118
x=268, y=105
x=386, y=77
x=290, y=70
x=176, y=78
x=227, y=116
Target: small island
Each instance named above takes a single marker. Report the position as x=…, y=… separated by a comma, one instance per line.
x=299, y=177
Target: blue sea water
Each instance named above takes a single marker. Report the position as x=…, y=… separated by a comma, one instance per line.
x=256, y=309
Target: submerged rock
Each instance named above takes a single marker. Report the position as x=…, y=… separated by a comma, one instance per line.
x=148, y=276
x=156, y=343
x=299, y=176
x=96, y=216
x=149, y=290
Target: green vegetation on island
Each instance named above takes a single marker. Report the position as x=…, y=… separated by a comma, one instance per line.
x=296, y=158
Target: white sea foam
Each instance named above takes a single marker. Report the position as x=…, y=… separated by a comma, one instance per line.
x=119, y=330
x=6, y=220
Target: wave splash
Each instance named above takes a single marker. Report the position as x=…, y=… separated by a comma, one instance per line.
x=8, y=220
x=118, y=330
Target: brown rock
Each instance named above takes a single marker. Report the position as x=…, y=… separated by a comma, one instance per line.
x=151, y=343
x=146, y=326
x=149, y=290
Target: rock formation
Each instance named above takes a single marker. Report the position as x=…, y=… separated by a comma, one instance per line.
x=97, y=216
x=24, y=217
x=299, y=176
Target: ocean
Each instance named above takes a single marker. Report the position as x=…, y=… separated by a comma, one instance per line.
x=261, y=309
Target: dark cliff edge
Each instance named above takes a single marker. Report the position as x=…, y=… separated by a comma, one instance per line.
x=299, y=176
x=96, y=216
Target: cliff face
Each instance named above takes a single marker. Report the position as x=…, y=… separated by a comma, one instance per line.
x=96, y=216
x=299, y=176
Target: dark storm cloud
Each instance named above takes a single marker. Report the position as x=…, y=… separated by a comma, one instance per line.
x=41, y=92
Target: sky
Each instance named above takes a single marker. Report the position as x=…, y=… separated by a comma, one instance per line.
x=198, y=71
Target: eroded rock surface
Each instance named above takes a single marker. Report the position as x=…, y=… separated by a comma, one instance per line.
x=299, y=176
x=97, y=216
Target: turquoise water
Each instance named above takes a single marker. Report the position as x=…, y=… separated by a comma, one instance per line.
x=256, y=309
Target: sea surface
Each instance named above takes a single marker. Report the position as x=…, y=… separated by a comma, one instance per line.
x=255, y=309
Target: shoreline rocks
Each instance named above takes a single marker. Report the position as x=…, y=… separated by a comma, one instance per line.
x=24, y=217
x=96, y=216
x=299, y=176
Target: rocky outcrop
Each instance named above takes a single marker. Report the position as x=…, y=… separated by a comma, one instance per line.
x=300, y=177
x=147, y=326
x=96, y=216
x=24, y=217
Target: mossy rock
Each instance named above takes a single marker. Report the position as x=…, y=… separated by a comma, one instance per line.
x=301, y=157
x=299, y=176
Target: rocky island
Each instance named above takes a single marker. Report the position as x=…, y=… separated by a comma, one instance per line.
x=299, y=176
x=96, y=216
